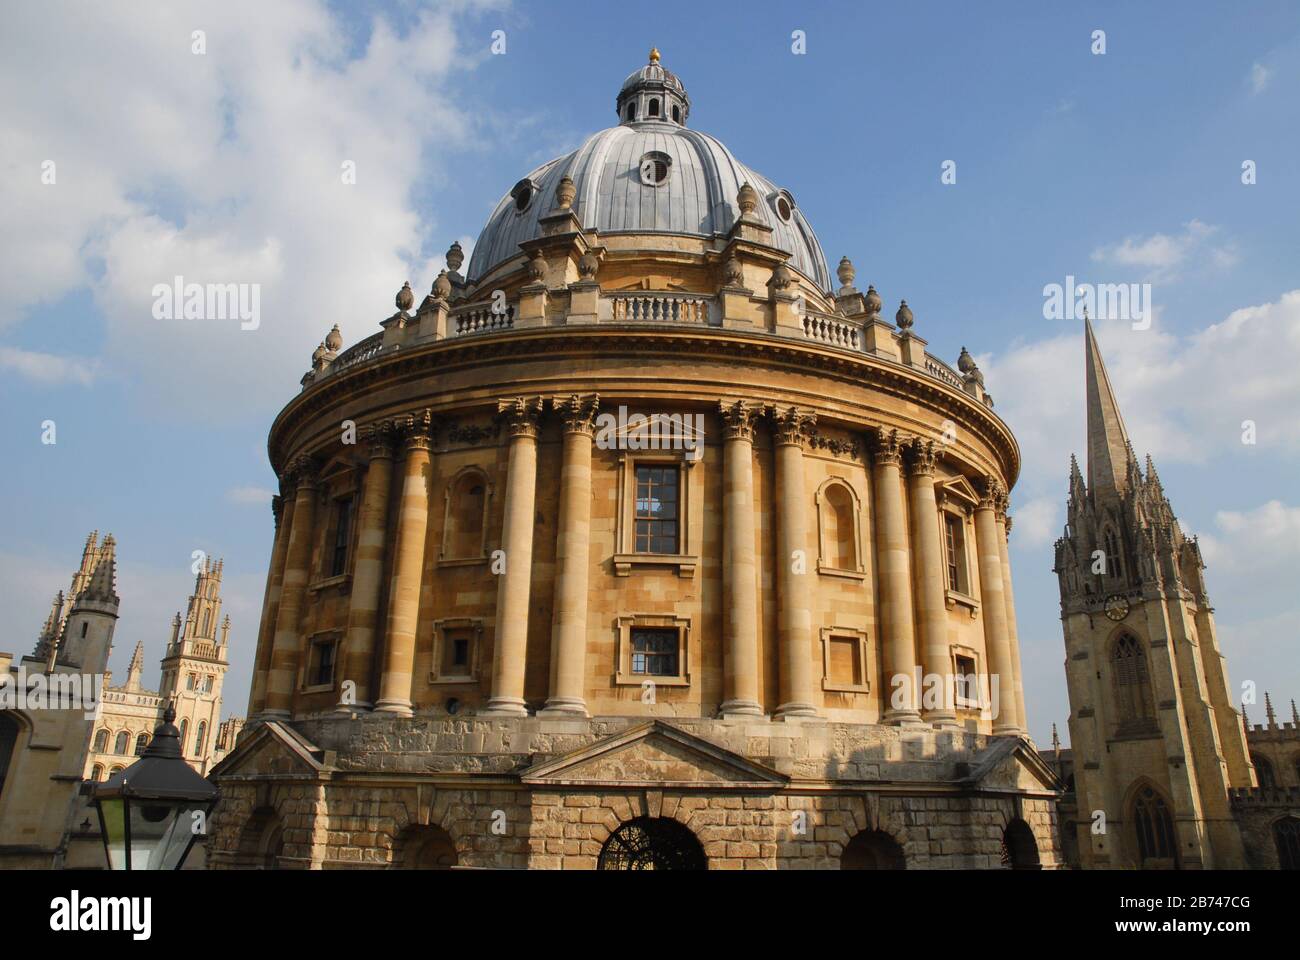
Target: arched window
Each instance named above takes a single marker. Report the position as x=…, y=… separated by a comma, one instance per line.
x=631, y=112
x=1019, y=849
x=121, y=743
x=1264, y=772
x=652, y=109
x=425, y=848
x=8, y=743
x=97, y=772
x=837, y=533
x=189, y=682
x=207, y=622
x=873, y=850
x=1154, y=828
x=185, y=729
x=1286, y=837
x=466, y=512
x=200, y=737
x=115, y=769
x=652, y=843
x=101, y=741
x=1132, y=682
x=141, y=742
x=1113, y=565
x=677, y=114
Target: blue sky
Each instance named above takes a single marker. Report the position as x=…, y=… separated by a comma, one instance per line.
x=1122, y=167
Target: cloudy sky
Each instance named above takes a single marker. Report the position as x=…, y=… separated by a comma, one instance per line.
x=134, y=152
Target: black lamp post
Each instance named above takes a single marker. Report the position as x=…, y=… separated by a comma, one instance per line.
x=147, y=811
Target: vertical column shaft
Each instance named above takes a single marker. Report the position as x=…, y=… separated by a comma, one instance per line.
x=513, y=588
x=572, y=559
x=1004, y=532
x=898, y=639
x=739, y=563
x=794, y=608
x=408, y=562
x=931, y=601
x=368, y=568
x=270, y=606
x=993, y=608
x=283, y=675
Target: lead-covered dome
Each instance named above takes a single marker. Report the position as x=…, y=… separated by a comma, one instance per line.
x=650, y=174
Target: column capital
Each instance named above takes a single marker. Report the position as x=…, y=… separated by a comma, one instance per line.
x=992, y=494
x=578, y=412
x=277, y=509
x=302, y=472
x=1007, y=518
x=739, y=417
x=416, y=429
x=792, y=425
x=922, y=457
x=521, y=415
x=382, y=439
x=887, y=450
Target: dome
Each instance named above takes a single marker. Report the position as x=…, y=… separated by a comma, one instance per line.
x=650, y=174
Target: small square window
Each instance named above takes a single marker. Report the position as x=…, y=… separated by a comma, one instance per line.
x=455, y=653
x=320, y=667
x=654, y=651
x=455, y=650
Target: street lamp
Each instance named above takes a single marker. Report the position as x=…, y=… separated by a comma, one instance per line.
x=151, y=813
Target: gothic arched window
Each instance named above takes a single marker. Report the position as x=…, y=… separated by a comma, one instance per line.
x=1286, y=836
x=1114, y=568
x=200, y=737
x=1132, y=681
x=185, y=729
x=1154, y=827
x=121, y=743
x=141, y=742
x=97, y=773
x=207, y=622
x=1264, y=772
x=101, y=741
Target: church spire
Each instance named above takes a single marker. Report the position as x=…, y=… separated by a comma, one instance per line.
x=134, y=671
x=1108, y=446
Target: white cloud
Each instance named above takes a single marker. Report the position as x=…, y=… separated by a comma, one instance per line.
x=1265, y=537
x=1259, y=77
x=1036, y=521
x=225, y=168
x=1160, y=256
x=249, y=496
x=48, y=368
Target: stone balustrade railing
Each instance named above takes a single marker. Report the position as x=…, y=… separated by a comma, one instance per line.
x=358, y=352
x=836, y=331
x=488, y=316
x=941, y=371
x=651, y=307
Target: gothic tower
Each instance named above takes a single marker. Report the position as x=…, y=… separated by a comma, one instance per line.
x=1156, y=740
x=79, y=629
x=194, y=667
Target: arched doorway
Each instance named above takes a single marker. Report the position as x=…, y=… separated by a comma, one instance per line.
x=1286, y=837
x=426, y=848
x=261, y=842
x=1019, y=848
x=1153, y=825
x=873, y=850
x=652, y=843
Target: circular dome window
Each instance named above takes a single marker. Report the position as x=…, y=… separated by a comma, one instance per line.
x=655, y=168
x=783, y=204
x=523, y=195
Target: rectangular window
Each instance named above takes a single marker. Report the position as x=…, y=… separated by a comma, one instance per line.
x=455, y=653
x=342, y=525
x=846, y=661
x=966, y=682
x=320, y=670
x=654, y=651
x=955, y=542
x=657, y=489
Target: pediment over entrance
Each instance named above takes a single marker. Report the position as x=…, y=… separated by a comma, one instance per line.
x=273, y=748
x=653, y=755
x=1011, y=765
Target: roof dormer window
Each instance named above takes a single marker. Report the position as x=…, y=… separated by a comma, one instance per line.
x=655, y=168
x=653, y=109
x=631, y=112
x=783, y=204
x=523, y=195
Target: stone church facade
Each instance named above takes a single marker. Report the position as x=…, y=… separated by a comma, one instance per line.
x=1163, y=772
x=639, y=545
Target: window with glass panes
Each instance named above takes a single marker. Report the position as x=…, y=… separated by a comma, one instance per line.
x=967, y=683
x=657, y=489
x=342, y=521
x=322, y=666
x=654, y=651
x=952, y=529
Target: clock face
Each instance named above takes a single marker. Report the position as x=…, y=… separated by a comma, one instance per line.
x=1117, y=608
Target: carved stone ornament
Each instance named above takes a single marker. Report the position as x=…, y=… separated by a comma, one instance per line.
x=334, y=340
x=873, y=303
x=565, y=193
x=733, y=275
x=520, y=415
x=455, y=256
x=381, y=436
x=404, y=297
x=888, y=448
x=578, y=412
x=746, y=199
x=846, y=272
x=739, y=417
x=992, y=493
x=782, y=278
x=536, y=267
x=416, y=429
x=587, y=266
x=924, y=455
x=792, y=425
x=441, y=286
x=904, y=316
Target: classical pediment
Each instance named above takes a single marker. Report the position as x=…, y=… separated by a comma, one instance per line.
x=272, y=748
x=1010, y=765
x=652, y=755
x=959, y=488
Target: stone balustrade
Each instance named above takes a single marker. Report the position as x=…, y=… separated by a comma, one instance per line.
x=653, y=307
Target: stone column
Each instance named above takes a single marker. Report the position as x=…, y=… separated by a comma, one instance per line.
x=898, y=641
x=1004, y=534
x=572, y=558
x=283, y=675
x=368, y=567
x=408, y=563
x=283, y=510
x=993, y=606
x=739, y=565
x=510, y=656
x=931, y=598
x=794, y=606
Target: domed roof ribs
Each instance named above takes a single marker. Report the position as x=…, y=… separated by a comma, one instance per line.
x=1108, y=445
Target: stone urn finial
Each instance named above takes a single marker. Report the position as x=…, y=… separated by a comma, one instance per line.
x=565, y=192
x=733, y=275
x=904, y=316
x=441, y=286
x=334, y=340
x=404, y=297
x=747, y=198
x=846, y=272
x=782, y=277
x=874, y=303
x=587, y=266
x=536, y=267
x=965, y=362
x=455, y=256
x=318, y=356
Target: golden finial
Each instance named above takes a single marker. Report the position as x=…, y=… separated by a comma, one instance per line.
x=654, y=54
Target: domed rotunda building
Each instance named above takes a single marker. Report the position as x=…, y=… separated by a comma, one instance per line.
x=639, y=544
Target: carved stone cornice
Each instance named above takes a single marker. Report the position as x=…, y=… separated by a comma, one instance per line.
x=520, y=415
x=739, y=417
x=381, y=436
x=577, y=411
x=792, y=426
x=991, y=494
x=888, y=448
x=922, y=457
x=836, y=445
x=416, y=430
